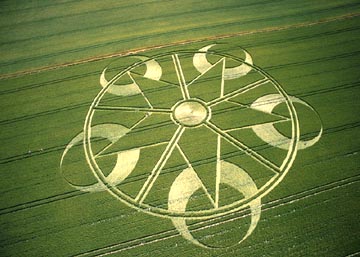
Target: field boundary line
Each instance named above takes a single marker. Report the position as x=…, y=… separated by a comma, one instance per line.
x=178, y=43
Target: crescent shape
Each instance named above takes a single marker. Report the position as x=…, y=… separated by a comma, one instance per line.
x=120, y=90
x=153, y=68
x=241, y=70
x=268, y=133
x=153, y=71
x=201, y=63
x=125, y=162
x=239, y=179
x=187, y=183
x=184, y=186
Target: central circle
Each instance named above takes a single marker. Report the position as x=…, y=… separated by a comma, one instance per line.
x=191, y=113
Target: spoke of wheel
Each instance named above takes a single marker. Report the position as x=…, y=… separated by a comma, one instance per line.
x=202, y=74
x=166, y=82
x=238, y=91
x=180, y=75
x=249, y=107
x=222, y=86
x=132, y=109
x=202, y=184
x=159, y=165
x=186, y=159
x=259, y=124
x=142, y=93
x=131, y=128
x=218, y=171
x=244, y=148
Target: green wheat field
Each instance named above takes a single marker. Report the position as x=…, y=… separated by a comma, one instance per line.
x=69, y=134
